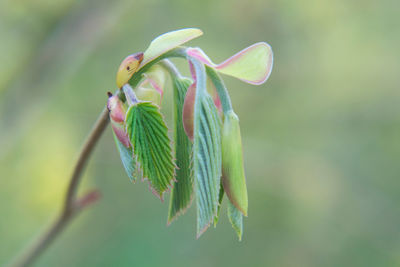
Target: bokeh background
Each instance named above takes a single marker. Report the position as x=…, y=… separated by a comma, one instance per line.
x=321, y=137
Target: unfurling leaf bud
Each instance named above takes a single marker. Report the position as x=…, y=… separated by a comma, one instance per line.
x=152, y=87
x=117, y=118
x=233, y=177
x=128, y=67
x=208, y=158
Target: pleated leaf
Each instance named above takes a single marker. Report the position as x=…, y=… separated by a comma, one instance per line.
x=206, y=153
x=127, y=159
x=182, y=191
x=236, y=219
x=149, y=137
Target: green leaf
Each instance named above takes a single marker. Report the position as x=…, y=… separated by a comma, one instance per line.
x=233, y=177
x=182, y=191
x=149, y=137
x=220, y=198
x=127, y=159
x=236, y=219
x=169, y=41
x=222, y=97
x=206, y=153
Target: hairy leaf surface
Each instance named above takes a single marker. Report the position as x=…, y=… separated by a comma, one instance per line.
x=206, y=153
x=182, y=191
x=236, y=219
x=149, y=137
x=220, y=198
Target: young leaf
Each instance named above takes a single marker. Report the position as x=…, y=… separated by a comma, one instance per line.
x=233, y=177
x=206, y=153
x=152, y=86
x=236, y=219
x=182, y=191
x=127, y=159
x=220, y=198
x=169, y=41
x=252, y=65
x=149, y=137
x=117, y=113
x=128, y=67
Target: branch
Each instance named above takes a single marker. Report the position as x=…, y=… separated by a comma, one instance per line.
x=72, y=204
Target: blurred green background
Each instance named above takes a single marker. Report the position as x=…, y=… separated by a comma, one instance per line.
x=321, y=137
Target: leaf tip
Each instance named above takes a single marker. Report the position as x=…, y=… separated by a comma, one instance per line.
x=202, y=231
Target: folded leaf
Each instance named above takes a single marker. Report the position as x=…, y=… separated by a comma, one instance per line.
x=236, y=219
x=206, y=153
x=120, y=133
x=151, y=146
x=212, y=90
x=221, y=97
x=155, y=78
x=152, y=87
x=127, y=159
x=220, y=198
x=188, y=110
x=169, y=41
x=182, y=191
x=252, y=65
x=148, y=95
x=233, y=177
x=117, y=112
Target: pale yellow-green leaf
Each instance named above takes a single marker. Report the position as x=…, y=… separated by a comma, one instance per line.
x=169, y=41
x=252, y=65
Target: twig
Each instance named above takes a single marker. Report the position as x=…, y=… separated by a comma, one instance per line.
x=72, y=204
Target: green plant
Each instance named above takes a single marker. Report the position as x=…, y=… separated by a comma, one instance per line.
x=203, y=161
